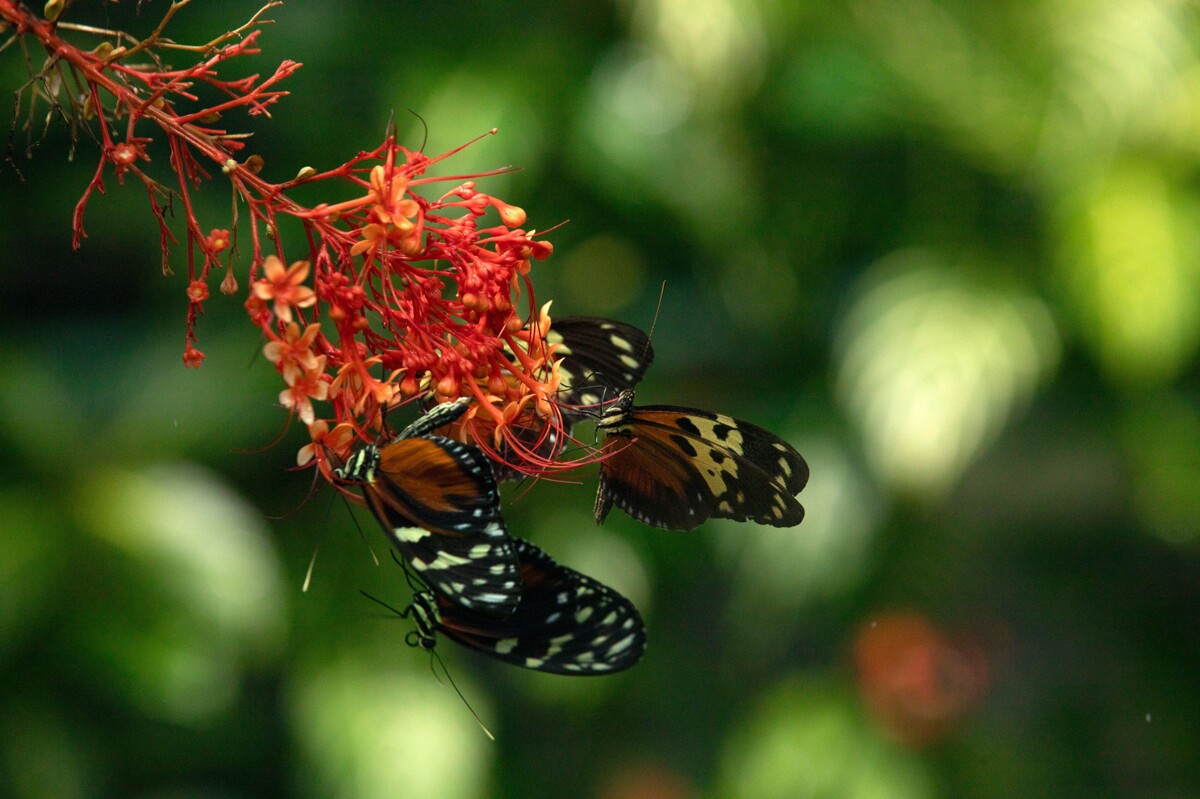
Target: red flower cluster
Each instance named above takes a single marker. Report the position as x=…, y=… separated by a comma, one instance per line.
x=412, y=298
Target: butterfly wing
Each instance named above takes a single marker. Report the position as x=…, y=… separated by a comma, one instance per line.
x=567, y=623
x=674, y=467
x=741, y=440
x=652, y=483
x=437, y=416
x=595, y=354
x=437, y=501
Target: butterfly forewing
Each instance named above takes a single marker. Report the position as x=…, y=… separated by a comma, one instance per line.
x=598, y=354
x=674, y=467
x=566, y=623
x=779, y=462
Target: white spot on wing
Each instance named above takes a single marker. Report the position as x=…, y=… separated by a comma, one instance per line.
x=621, y=646
x=448, y=560
x=410, y=535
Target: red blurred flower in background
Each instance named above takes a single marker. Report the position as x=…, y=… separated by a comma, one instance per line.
x=917, y=681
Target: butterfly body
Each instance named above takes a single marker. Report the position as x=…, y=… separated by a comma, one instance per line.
x=438, y=502
x=674, y=467
x=567, y=623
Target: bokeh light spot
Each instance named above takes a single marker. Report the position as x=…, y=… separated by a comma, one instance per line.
x=932, y=365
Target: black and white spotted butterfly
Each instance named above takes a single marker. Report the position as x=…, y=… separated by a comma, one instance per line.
x=567, y=623
x=674, y=467
x=597, y=355
x=438, y=502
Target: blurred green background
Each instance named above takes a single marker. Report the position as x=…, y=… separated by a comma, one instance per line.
x=947, y=249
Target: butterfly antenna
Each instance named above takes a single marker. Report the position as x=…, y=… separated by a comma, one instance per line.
x=287, y=425
x=605, y=385
x=361, y=534
x=435, y=656
x=404, y=614
x=524, y=486
x=433, y=670
x=254, y=357
x=401, y=613
x=425, y=126
x=311, y=564
x=415, y=585
x=662, y=291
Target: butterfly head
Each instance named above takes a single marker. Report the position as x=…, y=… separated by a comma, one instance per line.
x=424, y=613
x=361, y=466
x=616, y=416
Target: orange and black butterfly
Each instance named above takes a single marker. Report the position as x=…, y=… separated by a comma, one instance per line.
x=438, y=502
x=567, y=623
x=674, y=467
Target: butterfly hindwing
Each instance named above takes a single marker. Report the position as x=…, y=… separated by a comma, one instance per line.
x=674, y=467
x=651, y=484
x=566, y=623
x=438, y=502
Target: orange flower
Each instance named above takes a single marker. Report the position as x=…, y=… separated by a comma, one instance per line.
x=324, y=439
x=285, y=287
x=356, y=380
x=293, y=355
x=306, y=386
x=390, y=206
x=392, y=213
x=379, y=236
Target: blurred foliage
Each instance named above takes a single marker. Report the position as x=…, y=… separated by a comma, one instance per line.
x=948, y=249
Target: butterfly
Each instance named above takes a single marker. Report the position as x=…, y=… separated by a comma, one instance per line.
x=438, y=502
x=592, y=349
x=674, y=468
x=567, y=623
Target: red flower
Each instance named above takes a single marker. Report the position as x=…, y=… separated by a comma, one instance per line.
x=197, y=291
x=916, y=681
x=217, y=240
x=192, y=357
